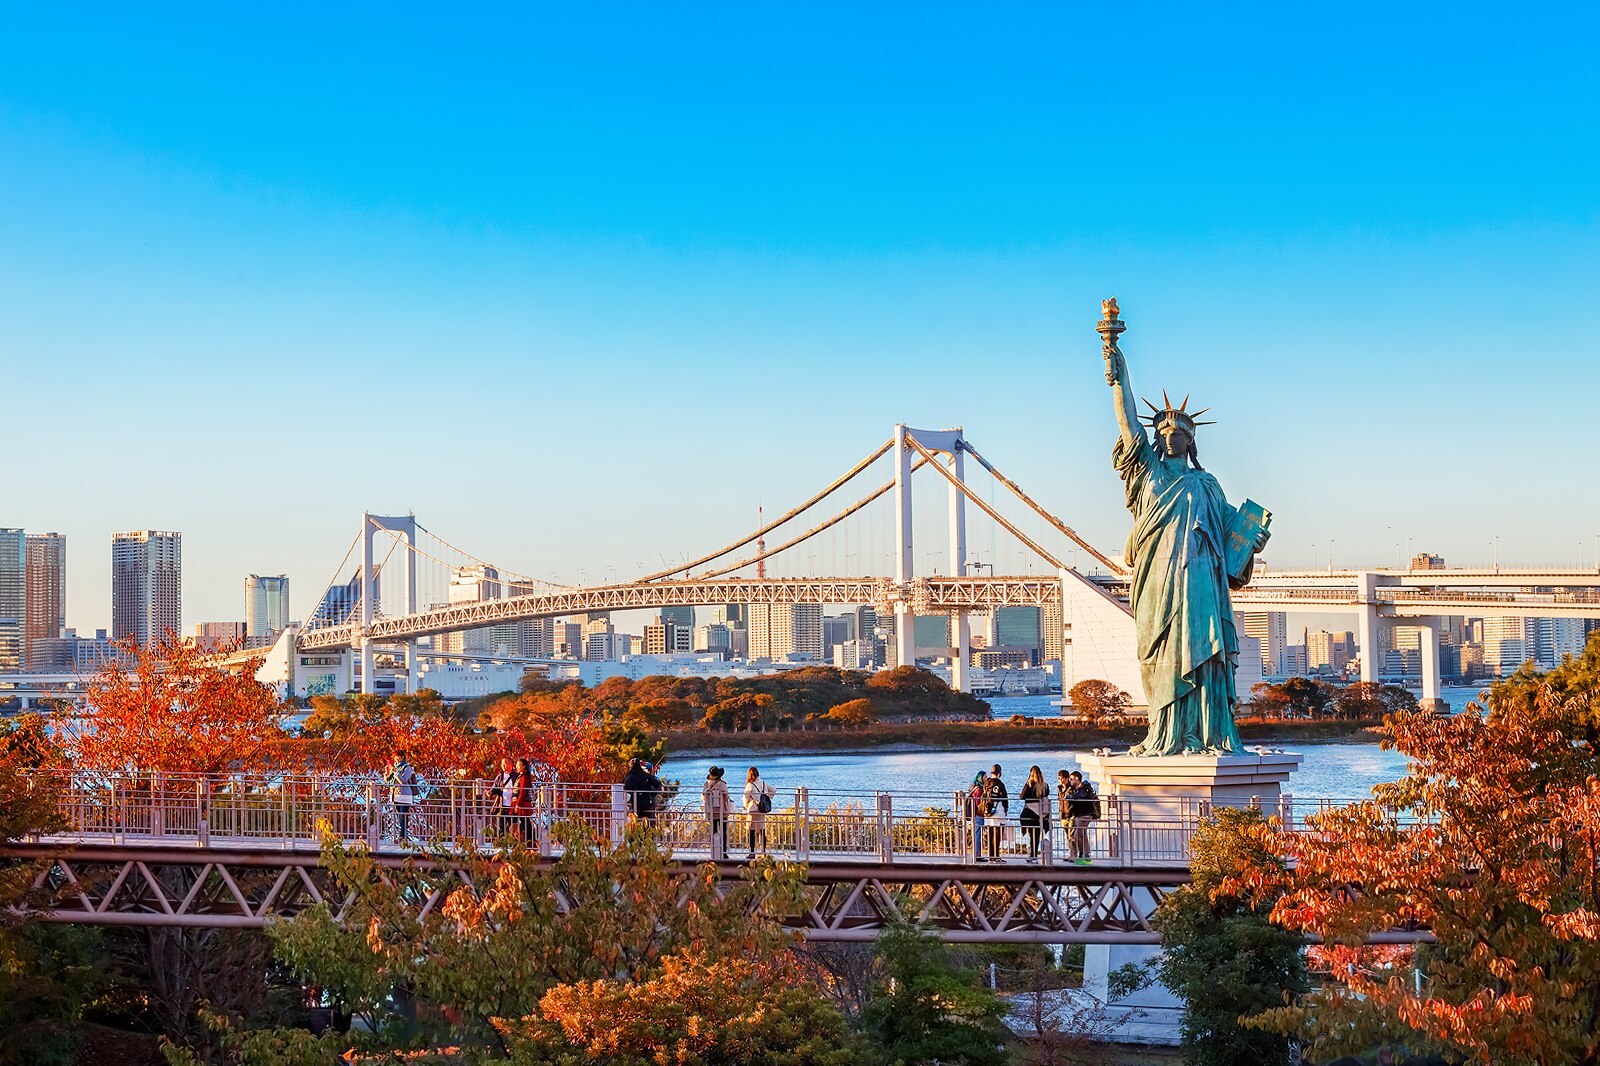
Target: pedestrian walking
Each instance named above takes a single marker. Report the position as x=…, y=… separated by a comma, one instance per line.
x=501, y=795
x=1085, y=808
x=403, y=785
x=718, y=805
x=976, y=802
x=758, y=797
x=997, y=802
x=1035, y=816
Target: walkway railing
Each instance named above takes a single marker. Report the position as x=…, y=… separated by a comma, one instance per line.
x=290, y=812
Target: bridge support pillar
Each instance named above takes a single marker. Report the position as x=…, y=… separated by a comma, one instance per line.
x=905, y=621
x=1429, y=643
x=1367, y=625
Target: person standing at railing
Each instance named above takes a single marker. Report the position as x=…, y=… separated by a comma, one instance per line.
x=403, y=783
x=643, y=788
x=1085, y=808
x=521, y=789
x=1064, y=807
x=718, y=805
x=1035, y=814
x=997, y=802
x=976, y=803
x=758, y=797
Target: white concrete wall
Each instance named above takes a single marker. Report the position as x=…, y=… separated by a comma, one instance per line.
x=1103, y=644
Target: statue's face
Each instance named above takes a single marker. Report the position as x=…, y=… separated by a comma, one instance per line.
x=1175, y=440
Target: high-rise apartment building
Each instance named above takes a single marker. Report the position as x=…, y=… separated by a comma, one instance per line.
x=213, y=636
x=13, y=599
x=1271, y=628
x=146, y=585
x=1329, y=652
x=46, y=591
x=869, y=646
x=1505, y=644
x=266, y=609
x=1053, y=632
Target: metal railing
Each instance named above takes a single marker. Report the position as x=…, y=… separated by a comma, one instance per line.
x=291, y=812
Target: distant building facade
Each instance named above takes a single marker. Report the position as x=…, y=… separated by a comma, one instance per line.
x=266, y=608
x=13, y=600
x=146, y=585
x=46, y=591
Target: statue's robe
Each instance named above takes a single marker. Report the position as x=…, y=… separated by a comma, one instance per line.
x=1188, y=646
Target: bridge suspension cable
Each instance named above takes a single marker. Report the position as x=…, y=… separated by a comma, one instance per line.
x=984, y=507
x=808, y=534
x=1016, y=489
x=484, y=562
x=338, y=570
x=770, y=526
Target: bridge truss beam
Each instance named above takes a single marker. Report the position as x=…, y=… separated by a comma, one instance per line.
x=845, y=902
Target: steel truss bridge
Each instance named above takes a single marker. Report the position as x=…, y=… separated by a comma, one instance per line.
x=107, y=884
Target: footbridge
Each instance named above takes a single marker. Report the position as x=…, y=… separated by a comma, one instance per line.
x=240, y=851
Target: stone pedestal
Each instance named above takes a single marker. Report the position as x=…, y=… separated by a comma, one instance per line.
x=1176, y=788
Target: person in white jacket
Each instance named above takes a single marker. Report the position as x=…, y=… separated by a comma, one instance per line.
x=718, y=805
x=755, y=792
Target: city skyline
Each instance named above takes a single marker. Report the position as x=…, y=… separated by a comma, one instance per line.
x=797, y=235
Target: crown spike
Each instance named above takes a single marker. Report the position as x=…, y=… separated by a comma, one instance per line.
x=1200, y=412
x=1207, y=422
x=1184, y=406
x=1166, y=399
x=1150, y=405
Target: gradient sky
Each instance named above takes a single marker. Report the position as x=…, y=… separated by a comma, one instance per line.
x=582, y=288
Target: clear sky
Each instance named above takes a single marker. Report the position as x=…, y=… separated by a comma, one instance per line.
x=582, y=288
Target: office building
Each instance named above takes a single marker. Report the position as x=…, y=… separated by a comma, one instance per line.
x=1427, y=561
x=1293, y=659
x=715, y=637
x=46, y=589
x=1005, y=656
x=266, y=609
x=146, y=585
x=682, y=617
x=606, y=645
x=1552, y=639
x=13, y=600
x=785, y=630
x=1329, y=652
x=933, y=636
x=1272, y=630
x=869, y=650
x=1019, y=627
x=567, y=639
x=215, y=636
x=1505, y=644
x=340, y=604
x=68, y=653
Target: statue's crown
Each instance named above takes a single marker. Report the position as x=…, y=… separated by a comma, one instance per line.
x=1180, y=414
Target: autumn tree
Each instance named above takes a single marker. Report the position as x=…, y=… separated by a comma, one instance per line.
x=1370, y=699
x=1095, y=700
x=852, y=714
x=596, y=957
x=1298, y=697
x=1491, y=842
x=172, y=710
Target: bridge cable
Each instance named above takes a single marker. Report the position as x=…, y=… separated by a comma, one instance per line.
x=484, y=562
x=841, y=516
x=990, y=511
x=1041, y=512
x=336, y=572
x=770, y=526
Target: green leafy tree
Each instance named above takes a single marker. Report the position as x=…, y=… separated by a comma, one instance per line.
x=1221, y=954
x=926, y=1011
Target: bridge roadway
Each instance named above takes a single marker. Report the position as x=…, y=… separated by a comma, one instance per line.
x=1387, y=593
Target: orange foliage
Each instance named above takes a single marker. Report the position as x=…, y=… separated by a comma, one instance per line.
x=173, y=711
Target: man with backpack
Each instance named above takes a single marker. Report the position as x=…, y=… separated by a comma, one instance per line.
x=1084, y=804
x=404, y=785
x=642, y=788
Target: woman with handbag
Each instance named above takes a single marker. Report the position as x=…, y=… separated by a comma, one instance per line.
x=758, y=797
x=1035, y=814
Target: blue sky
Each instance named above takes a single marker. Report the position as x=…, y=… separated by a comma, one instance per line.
x=583, y=288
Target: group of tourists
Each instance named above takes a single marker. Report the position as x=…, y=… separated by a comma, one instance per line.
x=717, y=802
x=988, y=805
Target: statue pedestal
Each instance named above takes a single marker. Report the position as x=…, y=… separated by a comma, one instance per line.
x=1161, y=791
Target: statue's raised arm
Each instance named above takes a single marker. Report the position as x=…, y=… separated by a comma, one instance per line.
x=1110, y=326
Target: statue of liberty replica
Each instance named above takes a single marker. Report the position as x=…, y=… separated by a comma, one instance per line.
x=1188, y=547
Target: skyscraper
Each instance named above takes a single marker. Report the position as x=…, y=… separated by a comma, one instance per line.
x=1018, y=627
x=46, y=589
x=781, y=630
x=266, y=609
x=13, y=599
x=1272, y=630
x=146, y=585
x=682, y=617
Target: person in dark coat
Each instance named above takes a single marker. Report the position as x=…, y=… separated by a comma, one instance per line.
x=999, y=806
x=643, y=788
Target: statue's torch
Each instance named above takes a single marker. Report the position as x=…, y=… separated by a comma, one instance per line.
x=1110, y=327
